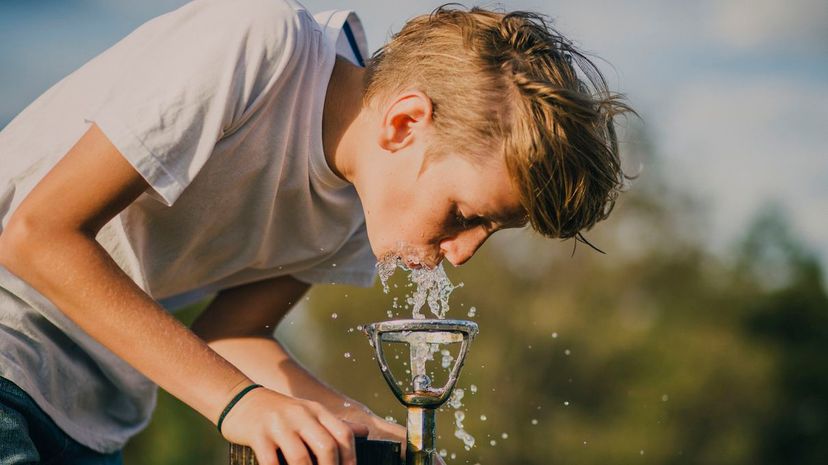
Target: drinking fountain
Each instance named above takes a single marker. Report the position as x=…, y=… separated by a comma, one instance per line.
x=418, y=395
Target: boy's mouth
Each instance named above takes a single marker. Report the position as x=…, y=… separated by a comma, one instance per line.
x=408, y=258
x=415, y=265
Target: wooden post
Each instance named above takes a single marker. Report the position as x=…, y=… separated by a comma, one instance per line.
x=369, y=452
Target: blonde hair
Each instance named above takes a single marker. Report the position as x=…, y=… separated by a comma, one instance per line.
x=508, y=80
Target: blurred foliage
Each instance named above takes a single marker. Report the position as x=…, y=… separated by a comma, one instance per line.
x=655, y=353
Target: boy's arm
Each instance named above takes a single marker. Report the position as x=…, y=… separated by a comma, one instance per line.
x=50, y=243
x=239, y=324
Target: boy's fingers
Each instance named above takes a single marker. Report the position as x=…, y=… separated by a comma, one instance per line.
x=319, y=440
x=265, y=453
x=344, y=436
x=294, y=451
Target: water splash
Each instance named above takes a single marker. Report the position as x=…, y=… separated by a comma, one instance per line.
x=456, y=399
x=385, y=269
x=431, y=286
x=421, y=352
x=460, y=433
x=456, y=402
x=446, y=359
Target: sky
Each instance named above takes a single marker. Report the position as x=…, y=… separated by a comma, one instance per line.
x=733, y=93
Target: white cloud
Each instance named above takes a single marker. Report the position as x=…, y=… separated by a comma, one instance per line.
x=742, y=142
x=774, y=24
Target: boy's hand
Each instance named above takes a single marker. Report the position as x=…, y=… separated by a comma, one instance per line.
x=379, y=428
x=266, y=421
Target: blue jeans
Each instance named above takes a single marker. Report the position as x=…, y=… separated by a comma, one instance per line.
x=29, y=436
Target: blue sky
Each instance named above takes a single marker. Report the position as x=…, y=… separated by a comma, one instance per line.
x=734, y=93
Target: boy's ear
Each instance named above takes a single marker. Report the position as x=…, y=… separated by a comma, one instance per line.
x=407, y=117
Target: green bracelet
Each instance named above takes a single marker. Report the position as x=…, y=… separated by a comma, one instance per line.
x=233, y=403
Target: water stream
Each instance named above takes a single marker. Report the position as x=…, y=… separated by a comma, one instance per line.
x=430, y=287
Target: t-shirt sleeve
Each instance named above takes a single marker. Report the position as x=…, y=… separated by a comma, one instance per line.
x=354, y=264
x=191, y=76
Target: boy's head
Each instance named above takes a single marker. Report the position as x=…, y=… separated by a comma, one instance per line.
x=490, y=114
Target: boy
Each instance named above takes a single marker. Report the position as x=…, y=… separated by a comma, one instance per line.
x=240, y=148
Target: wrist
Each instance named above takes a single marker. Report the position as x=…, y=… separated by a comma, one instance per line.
x=236, y=398
x=219, y=405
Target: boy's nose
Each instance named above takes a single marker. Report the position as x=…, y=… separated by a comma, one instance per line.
x=459, y=249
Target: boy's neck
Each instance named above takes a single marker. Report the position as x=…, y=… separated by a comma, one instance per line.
x=343, y=104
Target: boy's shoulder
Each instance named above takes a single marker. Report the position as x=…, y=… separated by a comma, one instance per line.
x=252, y=12
x=267, y=30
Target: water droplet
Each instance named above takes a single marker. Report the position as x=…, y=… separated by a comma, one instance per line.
x=567, y=352
x=334, y=316
x=554, y=335
x=443, y=453
x=483, y=418
x=493, y=442
x=347, y=355
x=665, y=398
x=505, y=435
x=389, y=418
x=347, y=404
x=473, y=388
x=566, y=402
x=641, y=452
x=333, y=265
x=453, y=456
x=472, y=312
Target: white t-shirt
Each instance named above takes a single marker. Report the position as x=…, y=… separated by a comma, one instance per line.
x=219, y=106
